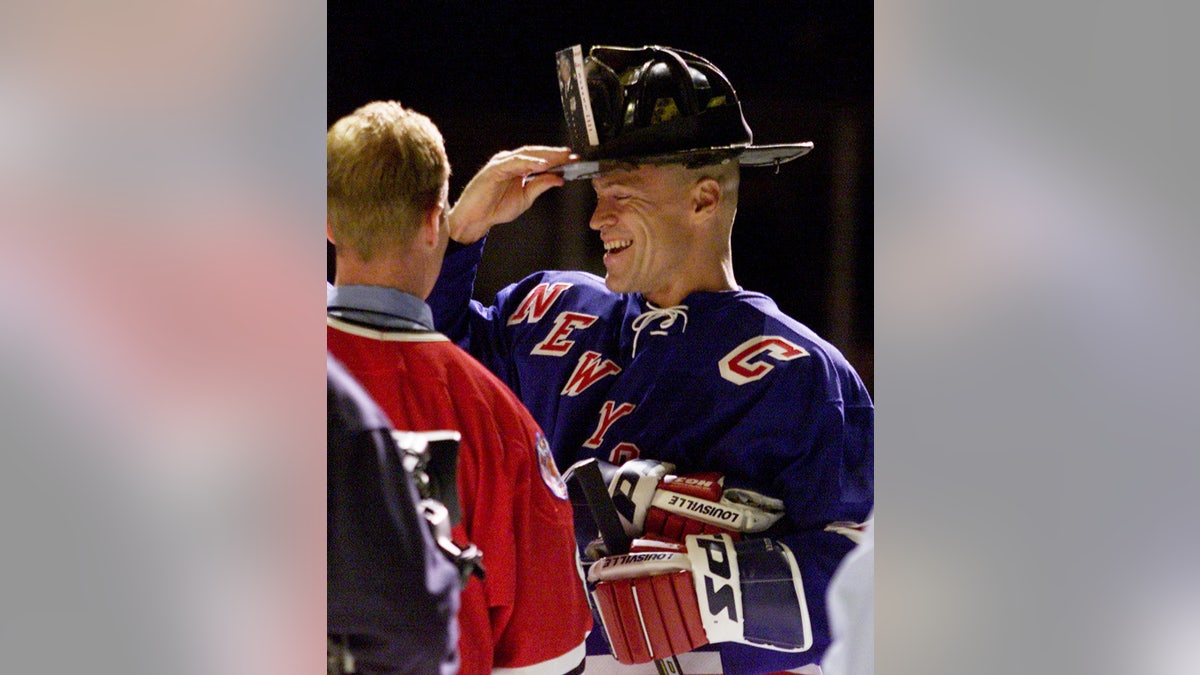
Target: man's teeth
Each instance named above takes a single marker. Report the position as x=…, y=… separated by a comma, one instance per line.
x=617, y=243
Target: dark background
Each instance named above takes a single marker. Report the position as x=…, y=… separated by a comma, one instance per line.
x=485, y=73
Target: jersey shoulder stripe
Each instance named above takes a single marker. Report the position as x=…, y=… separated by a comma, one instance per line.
x=384, y=336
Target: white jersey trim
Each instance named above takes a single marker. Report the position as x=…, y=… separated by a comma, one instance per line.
x=692, y=663
x=398, y=336
x=555, y=666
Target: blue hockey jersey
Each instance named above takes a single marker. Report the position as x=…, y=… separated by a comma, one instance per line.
x=722, y=382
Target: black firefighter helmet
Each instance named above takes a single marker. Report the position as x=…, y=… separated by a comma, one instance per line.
x=655, y=105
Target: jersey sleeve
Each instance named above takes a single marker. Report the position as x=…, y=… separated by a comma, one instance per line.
x=450, y=299
x=552, y=617
x=484, y=330
x=539, y=611
x=473, y=326
x=821, y=465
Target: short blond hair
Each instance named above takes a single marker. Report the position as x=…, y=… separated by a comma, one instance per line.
x=386, y=168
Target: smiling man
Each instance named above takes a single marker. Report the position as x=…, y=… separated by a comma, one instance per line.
x=739, y=437
x=666, y=230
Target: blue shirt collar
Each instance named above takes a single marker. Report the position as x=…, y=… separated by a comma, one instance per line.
x=379, y=306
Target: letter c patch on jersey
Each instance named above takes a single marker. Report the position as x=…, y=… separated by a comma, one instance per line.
x=739, y=366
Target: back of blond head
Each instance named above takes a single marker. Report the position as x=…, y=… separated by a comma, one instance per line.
x=386, y=167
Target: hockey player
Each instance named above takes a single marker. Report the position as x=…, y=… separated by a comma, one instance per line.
x=751, y=433
x=387, y=183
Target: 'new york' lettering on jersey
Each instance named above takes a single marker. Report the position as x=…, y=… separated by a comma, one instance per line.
x=609, y=413
x=556, y=343
x=623, y=452
x=535, y=305
x=588, y=371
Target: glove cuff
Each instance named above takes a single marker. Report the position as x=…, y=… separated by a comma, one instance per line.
x=749, y=592
x=632, y=489
x=724, y=514
x=718, y=586
x=630, y=565
x=773, y=593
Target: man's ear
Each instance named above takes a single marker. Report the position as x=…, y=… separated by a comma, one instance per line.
x=329, y=233
x=431, y=225
x=706, y=197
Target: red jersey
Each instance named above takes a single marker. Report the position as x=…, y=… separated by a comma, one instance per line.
x=531, y=611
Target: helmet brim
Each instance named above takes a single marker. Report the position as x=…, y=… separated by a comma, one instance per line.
x=746, y=155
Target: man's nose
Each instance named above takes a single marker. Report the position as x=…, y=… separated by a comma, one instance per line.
x=600, y=217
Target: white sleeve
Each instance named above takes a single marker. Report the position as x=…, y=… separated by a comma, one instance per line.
x=851, y=606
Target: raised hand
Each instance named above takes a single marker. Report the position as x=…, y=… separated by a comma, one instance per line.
x=505, y=188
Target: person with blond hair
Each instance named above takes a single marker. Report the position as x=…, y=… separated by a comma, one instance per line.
x=387, y=186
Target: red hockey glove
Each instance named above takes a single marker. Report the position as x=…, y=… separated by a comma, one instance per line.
x=663, y=599
x=651, y=501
